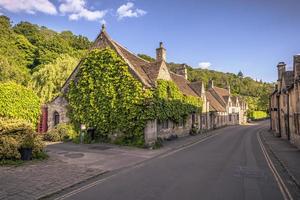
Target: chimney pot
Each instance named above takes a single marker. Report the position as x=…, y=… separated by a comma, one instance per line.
x=161, y=53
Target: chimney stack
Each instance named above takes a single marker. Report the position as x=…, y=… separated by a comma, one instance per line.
x=280, y=69
x=211, y=83
x=296, y=66
x=228, y=88
x=161, y=53
x=182, y=70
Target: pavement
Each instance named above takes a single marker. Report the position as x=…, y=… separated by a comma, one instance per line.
x=287, y=157
x=227, y=165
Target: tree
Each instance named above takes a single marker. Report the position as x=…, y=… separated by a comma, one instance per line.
x=48, y=79
x=146, y=57
x=240, y=74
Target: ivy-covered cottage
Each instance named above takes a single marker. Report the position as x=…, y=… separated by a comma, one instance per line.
x=122, y=97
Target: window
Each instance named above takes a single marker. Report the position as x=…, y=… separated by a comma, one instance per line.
x=165, y=124
x=297, y=122
x=180, y=123
x=56, y=118
x=203, y=120
x=230, y=117
x=193, y=118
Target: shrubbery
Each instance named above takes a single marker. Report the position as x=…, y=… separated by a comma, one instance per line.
x=254, y=115
x=62, y=132
x=16, y=134
x=17, y=101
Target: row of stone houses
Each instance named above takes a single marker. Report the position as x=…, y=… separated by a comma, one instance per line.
x=285, y=103
x=220, y=108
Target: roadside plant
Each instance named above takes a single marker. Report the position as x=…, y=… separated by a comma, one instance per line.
x=16, y=134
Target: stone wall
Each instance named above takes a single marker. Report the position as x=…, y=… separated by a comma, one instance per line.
x=59, y=105
x=150, y=132
x=174, y=129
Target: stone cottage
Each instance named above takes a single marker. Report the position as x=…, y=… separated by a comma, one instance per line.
x=285, y=103
x=216, y=101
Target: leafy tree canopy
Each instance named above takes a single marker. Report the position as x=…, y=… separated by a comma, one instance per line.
x=17, y=101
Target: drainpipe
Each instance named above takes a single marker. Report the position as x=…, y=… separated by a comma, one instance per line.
x=288, y=116
x=270, y=111
x=278, y=115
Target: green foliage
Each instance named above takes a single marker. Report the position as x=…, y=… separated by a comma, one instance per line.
x=146, y=57
x=258, y=115
x=48, y=44
x=170, y=103
x=26, y=47
x=48, y=79
x=19, y=102
x=9, y=148
x=107, y=97
x=62, y=132
x=16, y=134
x=52, y=135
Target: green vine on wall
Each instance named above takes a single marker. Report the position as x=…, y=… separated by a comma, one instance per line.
x=105, y=95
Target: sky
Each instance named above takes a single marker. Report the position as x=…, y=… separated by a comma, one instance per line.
x=224, y=35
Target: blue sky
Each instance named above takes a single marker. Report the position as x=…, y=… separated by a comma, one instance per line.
x=228, y=35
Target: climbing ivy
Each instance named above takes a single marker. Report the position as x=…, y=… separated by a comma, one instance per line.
x=106, y=96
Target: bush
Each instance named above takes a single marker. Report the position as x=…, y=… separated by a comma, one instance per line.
x=16, y=134
x=17, y=101
x=52, y=135
x=62, y=132
x=9, y=148
x=255, y=115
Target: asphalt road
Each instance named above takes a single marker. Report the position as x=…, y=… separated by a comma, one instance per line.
x=230, y=165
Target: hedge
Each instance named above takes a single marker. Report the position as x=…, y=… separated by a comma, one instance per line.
x=258, y=115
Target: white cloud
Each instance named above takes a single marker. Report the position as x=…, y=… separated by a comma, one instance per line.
x=127, y=10
x=77, y=9
x=29, y=6
x=204, y=65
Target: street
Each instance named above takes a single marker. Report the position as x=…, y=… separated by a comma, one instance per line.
x=229, y=165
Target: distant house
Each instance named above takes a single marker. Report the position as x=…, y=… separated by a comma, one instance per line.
x=285, y=103
x=218, y=109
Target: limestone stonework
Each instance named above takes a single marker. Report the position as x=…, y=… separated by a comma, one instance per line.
x=58, y=105
x=285, y=104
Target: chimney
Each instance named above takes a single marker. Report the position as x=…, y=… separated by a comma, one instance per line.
x=182, y=70
x=296, y=66
x=161, y=53
x=228, y=88
x=280, y=69
x=211, y=83
x=103, y=28
x=202, y=89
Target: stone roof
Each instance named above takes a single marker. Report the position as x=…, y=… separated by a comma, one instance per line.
x=183, y=85
x=197, y=87
x=214, y=103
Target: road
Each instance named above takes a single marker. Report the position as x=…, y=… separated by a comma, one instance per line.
x=229, y=165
